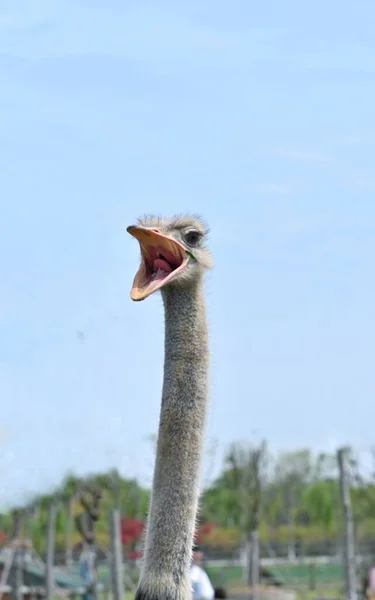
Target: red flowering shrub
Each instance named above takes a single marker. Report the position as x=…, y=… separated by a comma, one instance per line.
x=131, y=534
x=204, y=530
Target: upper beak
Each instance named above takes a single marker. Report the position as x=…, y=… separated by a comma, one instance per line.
x=140, y=232
x=147, y=236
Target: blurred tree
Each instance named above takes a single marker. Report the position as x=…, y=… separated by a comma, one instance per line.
x=299, y=493
x=292, y=471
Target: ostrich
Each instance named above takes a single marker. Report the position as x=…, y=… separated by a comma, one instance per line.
x=174, y=258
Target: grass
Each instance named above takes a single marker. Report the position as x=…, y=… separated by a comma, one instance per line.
x=328, y=579
x=293, y=576
x=301, y=594
x=328, y=593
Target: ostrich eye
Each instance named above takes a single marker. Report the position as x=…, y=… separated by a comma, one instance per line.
x=192, y=237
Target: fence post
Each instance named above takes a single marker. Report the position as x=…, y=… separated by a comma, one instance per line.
x=349, y=548
x=256, y=463
x=117, y=566
x=312, y=577
x=20, y=560
x=50, y=584
x=254, y=563
x=68, y=534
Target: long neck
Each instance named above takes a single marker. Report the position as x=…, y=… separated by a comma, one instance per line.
x=176, y=482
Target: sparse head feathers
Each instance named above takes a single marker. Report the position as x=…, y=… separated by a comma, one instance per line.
x=182, y=221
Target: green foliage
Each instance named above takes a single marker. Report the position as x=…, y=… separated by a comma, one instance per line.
x=320, y=500
x=298, y=496
x=134, y=502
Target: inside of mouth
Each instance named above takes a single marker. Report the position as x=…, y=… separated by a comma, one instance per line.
x=160, y=263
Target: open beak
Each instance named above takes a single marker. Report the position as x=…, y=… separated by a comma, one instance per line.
x=162, y=258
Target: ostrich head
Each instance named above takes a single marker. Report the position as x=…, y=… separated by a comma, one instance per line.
x=173, y=253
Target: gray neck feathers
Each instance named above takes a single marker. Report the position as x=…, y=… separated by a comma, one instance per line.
x=176, y=482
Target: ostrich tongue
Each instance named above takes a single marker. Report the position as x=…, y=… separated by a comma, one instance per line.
x=161, y=268
x=162, y=265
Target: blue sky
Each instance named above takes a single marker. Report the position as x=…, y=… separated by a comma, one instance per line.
x=257, y=115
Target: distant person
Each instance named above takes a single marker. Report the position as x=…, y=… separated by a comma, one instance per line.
x=202, y=587
x=371, y=583
x=88, y=572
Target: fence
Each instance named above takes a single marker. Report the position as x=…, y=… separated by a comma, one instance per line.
x=309, y=566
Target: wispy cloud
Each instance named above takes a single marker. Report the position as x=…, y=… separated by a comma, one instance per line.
x=278, y=188
x=292, y=227
x=26, y=13
x=334, y=57
x=154, y=33
x=353, y=139
x=306, y=155
x=362, y=182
